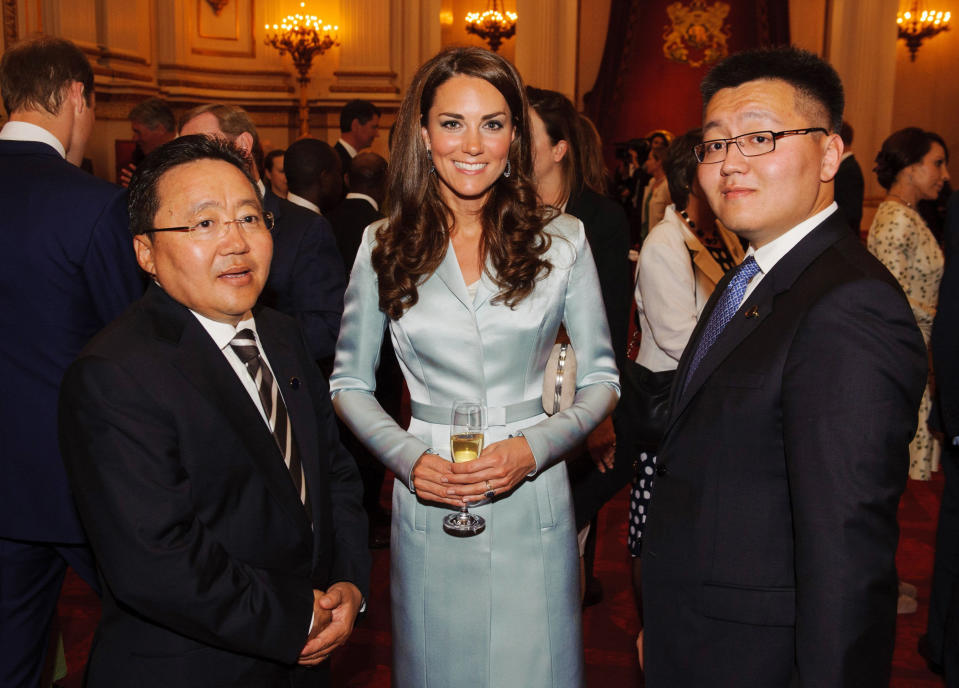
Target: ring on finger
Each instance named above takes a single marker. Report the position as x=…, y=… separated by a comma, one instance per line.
x=490, y=492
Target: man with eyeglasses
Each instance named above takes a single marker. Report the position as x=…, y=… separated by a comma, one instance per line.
x=769, y=550
x=202, y=451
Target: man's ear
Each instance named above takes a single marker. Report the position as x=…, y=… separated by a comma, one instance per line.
x=832, y=156
x=245, y=143
x=75, y=97
x=355, y=125
x=143, y=247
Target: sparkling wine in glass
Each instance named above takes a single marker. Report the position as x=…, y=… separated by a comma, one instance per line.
x=467, y=426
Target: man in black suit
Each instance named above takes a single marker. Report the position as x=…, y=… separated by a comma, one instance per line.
x=201, y=446
x=769, y=552
x=361, y=207
x=940, y=646
x=850, y=186
x=153, y=124
x=359, y=127
x=67, y=270
x=307, y=280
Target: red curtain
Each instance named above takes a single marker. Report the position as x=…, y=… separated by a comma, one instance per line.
x=639, y=88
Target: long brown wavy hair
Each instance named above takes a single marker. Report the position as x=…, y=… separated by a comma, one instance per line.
x=413, y=242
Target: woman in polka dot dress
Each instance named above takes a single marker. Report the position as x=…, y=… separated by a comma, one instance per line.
x=682, y=259
x=911, y=166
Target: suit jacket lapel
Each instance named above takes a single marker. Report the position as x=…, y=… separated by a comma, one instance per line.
x=449, y=272
x=703, y=259
x=204, y=366
x=779, y=279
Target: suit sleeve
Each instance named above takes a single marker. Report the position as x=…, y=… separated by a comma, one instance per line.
x=597, y=379
x=154, y=552
x=354, y=376
x=852, y=383
x=317, y=285
x=109, y=263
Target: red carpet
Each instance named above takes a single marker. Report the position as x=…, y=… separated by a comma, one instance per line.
x=610, y=627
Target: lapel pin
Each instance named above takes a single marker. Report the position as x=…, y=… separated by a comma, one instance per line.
x=295, y=382
x=752, y=312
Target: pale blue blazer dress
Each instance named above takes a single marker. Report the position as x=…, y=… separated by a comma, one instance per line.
x=500, y=609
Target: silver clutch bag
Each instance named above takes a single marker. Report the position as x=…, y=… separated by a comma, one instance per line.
x=559, y=380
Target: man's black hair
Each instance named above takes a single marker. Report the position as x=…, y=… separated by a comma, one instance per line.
x=144, y=201
x=362, y=110
x=813, y=78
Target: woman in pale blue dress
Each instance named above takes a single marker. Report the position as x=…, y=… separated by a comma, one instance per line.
x=473, y=280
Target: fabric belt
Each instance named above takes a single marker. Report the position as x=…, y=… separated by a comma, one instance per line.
x=495, y=415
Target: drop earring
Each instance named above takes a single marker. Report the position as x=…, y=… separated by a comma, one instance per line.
x=429, y=156
x=506, y=172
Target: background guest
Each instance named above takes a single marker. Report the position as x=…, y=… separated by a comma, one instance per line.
x=68, y=270
x=313, y=174
x=912, y=165
x=359, y=127
x=153, y=124
x=274, y=172
x=850, y=185
x=366, y=179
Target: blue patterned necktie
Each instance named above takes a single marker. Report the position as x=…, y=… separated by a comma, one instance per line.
x=724, y=311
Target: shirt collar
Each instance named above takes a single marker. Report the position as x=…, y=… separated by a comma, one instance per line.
x=769, y=254
x=25, y=131
x=222, y=333
x=368, y=199
x=349, y=149
x=262, y=187
x=300, y=201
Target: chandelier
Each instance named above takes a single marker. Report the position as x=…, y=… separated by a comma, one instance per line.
x=493, y=26
x=915, y=26
x=303, y=37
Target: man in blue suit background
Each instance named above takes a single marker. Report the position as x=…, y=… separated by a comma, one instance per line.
x=67, y=269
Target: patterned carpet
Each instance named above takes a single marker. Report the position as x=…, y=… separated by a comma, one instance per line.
x=610, y=627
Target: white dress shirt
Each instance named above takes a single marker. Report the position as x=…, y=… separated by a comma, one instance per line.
x=300, y=201
x=368, y=199
x=768, y=255
x=222, y=333
x=349, y=149
x=24, y=131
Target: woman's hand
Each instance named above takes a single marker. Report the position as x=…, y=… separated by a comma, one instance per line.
x=430, y=480
x=500, y=467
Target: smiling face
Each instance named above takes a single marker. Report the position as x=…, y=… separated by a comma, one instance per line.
x=469, y=129
x=762, y=197
x=929, y=174
x=220, y=279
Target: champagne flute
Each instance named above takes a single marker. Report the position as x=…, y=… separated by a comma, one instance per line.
x=467, y=426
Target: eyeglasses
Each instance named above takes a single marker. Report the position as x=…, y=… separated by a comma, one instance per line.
x=751, y=144
x=206, y=230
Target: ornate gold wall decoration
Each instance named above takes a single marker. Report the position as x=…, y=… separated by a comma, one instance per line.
x=218, y=5
x=698, y=33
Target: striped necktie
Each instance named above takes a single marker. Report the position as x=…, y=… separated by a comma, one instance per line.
x=724, y=311
x=245, y=347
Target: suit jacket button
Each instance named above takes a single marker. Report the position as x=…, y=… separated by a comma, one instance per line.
x=661, y=470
